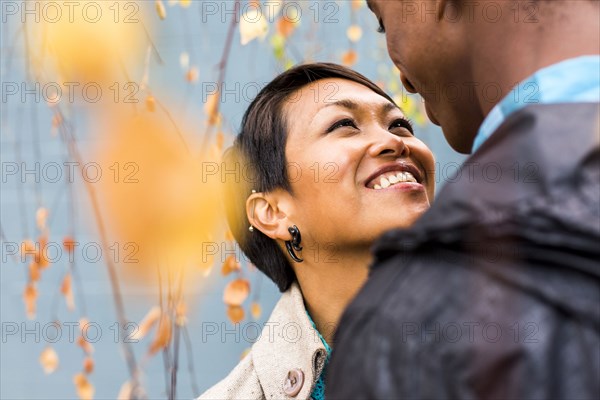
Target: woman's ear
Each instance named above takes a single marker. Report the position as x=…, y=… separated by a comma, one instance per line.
x=265, y=213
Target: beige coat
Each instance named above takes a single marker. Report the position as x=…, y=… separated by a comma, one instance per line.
x=285, y=361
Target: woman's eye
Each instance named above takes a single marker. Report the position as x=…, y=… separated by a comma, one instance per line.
x=402, y=123
x=342, y=123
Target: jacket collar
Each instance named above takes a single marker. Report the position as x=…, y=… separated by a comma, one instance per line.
x=288, y=342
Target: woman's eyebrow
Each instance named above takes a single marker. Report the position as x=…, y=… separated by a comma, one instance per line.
x=352, y=105
x=346, y=103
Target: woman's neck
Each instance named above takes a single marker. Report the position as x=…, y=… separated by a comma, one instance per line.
x=329, y=283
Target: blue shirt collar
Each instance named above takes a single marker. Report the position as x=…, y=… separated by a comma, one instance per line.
x=576, y=80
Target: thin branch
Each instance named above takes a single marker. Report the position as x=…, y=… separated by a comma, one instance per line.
x=190, y=359
x=223, y=66
x=69, y=139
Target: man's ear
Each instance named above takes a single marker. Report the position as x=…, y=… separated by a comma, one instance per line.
x=265, y=213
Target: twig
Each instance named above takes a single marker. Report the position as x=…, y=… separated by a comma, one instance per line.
x=222, y=67
x=70, y=140
x=190, y=359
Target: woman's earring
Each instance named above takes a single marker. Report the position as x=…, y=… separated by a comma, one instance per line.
x=294, y=244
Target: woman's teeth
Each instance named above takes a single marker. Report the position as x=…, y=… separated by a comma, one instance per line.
x=387, y=180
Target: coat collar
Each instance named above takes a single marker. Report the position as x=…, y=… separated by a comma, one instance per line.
x=288, y=342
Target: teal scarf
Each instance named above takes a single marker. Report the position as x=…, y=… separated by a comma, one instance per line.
x=319, y=390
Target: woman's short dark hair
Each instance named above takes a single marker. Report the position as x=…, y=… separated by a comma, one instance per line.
x=258, y=157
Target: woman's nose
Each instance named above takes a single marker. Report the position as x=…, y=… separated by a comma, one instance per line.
x=387, y=143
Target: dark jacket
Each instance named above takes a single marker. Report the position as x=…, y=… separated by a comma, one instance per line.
x=495, y=291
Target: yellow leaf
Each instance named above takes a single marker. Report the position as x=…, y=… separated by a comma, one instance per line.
x=185, y=3
x=147, y=323
x=125, y=392
x=49, y=360
x=354, y=33
x=236, y=292
x=253, y=25
x=356, y=4
x=255, y=310
x=150, y=103
x=245, y=353
x=184, y=60
x=160, y=9
x=163, y=334
x=85, y=390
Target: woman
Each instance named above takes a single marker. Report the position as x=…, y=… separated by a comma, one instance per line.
x=330, y=164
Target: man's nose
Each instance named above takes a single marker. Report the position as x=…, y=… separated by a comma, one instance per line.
x=407, y=85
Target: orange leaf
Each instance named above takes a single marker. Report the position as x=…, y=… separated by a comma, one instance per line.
x=255, y=310
x=349, y=58
x=85, y=390
x=147, y=323
x=41, y=216
x=85, y=345
x=29, y=296
x=88, y=365
x=69, y=244
x=34, y=271
x=28, y=247
x=236, y=292
x=67, y=290
x=42, y=254
x=211, y=107
x=49, y=360
x=163, y=334
x=235, y=314
x=230, y=265
x=192, y=75
x=160, y=9
x=285, y=27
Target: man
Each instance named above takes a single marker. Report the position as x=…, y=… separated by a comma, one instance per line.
x=495, y=292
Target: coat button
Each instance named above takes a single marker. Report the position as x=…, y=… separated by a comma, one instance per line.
x=293, y=383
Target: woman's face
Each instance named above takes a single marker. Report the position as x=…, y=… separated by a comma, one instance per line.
x=355, y=168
